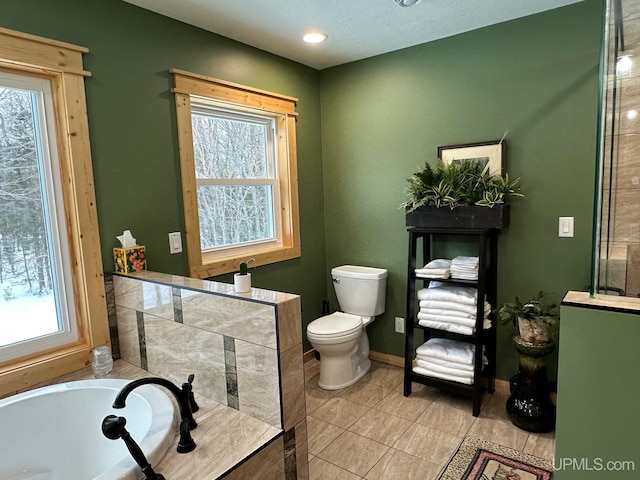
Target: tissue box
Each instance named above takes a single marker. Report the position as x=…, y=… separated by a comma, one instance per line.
x=129, y=260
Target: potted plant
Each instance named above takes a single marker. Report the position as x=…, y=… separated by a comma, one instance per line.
x=464, y=194
x=536, y=320
x=242, y=279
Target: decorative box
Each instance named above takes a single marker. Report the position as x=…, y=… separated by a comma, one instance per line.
x=130, y=259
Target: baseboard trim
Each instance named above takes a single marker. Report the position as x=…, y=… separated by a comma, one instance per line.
x=309, y=355
x=386, y=358
x=502, y=386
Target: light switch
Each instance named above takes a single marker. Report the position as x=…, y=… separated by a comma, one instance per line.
x=565, y=226
x=175, y=242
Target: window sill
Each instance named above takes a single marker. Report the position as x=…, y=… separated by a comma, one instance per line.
x=230, y=264
x=27, y=373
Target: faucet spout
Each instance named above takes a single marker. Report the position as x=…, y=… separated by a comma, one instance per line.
x=187, y=422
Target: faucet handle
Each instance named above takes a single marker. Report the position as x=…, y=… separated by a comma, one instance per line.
x=113, y=429
x=187, y=388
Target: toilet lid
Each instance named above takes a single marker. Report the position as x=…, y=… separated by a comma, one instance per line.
x=337, y=323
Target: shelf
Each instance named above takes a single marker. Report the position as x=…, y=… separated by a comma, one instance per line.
x=483, y=339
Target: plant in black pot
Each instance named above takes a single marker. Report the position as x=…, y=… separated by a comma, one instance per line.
x=537, y=320
x=458, y=184
x=472, y=196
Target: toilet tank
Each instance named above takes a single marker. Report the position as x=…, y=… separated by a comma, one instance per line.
x=360, y=290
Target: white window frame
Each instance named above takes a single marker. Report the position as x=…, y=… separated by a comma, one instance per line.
x=60, y=64
x=204, y=106
x=192, y=89
x=53, y=207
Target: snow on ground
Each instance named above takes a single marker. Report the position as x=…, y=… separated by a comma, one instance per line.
x=25, y=316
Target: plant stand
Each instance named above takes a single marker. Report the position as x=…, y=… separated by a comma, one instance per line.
x=529, y=406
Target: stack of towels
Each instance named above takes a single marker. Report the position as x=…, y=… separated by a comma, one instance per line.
x=465, y=268
x=451, y=308
x=447, y=359
x=438, y=268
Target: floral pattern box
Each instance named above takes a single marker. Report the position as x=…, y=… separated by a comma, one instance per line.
x=130, y=259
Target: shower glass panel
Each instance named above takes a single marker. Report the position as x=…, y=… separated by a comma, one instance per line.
x=617, y=234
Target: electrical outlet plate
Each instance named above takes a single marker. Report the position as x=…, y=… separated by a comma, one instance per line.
x=399, y=325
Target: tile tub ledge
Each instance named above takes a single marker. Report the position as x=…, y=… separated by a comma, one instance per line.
x=230, y=444
x=602, y=302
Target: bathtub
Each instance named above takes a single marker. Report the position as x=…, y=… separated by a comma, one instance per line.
x=54, y=433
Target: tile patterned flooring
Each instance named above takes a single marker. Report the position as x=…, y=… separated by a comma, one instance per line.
x=371, y=431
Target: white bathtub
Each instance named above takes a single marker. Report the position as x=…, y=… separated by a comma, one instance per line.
x=55, y=433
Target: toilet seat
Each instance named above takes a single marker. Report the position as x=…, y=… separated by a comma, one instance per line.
x=336, y=325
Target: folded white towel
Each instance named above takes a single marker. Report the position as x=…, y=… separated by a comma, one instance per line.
x=467, y=367
x=465, y=295
x=465, y=321
x=452, y=327
x=439, y=263
x=464, y=268
x=432, y=373
x=438, y=268
x=446, y=312
x=454, y=306
x=439, y=368
x=447, y=349
x=462, y=261
x=432, y=273
x=444, y=363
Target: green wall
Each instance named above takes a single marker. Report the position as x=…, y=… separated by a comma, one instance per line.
x=133, y=133
x=383, y=117
x=598, y=416
x=363, y=128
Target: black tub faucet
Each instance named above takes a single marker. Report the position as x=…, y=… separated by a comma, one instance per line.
x=182, y=396
x=113, y=429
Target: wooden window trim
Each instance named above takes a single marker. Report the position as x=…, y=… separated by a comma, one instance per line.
x=188, y=85
x=61, y=63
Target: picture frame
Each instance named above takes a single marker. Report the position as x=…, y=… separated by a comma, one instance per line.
x=493, y=152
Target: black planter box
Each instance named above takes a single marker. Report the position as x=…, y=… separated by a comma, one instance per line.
x=473, y=217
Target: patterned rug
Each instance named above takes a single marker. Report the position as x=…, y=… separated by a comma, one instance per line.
x=478, y=459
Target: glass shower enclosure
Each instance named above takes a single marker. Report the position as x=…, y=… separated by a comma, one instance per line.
x=616, y=267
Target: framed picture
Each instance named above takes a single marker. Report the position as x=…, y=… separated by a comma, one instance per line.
x=493, y=153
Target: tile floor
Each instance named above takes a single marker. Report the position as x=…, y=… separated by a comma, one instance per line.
x=371, y=431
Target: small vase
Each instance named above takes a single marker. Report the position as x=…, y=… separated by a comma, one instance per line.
x=102, y=363
x=242, y=283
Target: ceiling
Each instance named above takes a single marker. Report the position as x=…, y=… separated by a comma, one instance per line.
x=357, y=29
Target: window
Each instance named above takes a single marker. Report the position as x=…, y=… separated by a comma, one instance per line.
x=238, y=159
x=36, y=298
x=52, y=299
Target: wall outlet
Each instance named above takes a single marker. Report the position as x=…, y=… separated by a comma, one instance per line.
x=399, y=325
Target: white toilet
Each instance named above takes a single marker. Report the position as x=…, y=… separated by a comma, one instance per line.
x=341, y=338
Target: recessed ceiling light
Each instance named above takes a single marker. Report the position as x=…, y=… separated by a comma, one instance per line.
x=314, y=37
x=407, y=3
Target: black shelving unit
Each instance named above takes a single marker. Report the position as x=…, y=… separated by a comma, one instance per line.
x=483, y=378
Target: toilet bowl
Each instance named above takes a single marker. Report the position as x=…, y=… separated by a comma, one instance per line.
x=341, y=338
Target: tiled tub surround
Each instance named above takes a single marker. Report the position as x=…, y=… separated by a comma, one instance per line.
x=244, y=349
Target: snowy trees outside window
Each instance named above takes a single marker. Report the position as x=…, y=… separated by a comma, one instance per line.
x=238, y=162
x=236, y=177
x=33, y=302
